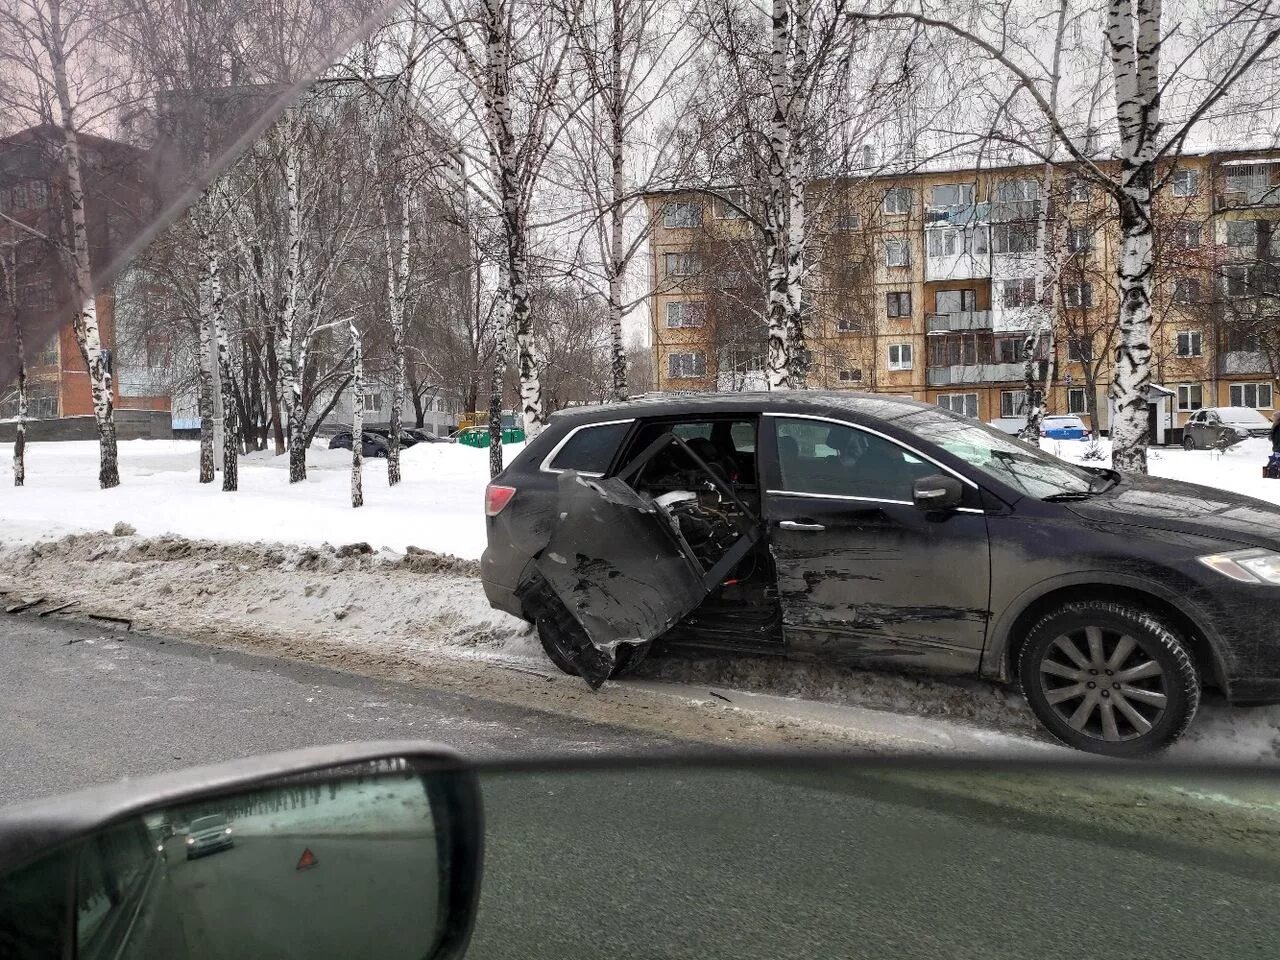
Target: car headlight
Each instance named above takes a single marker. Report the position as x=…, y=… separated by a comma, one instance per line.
x=228, y=830
x=1247, y=566
x=190, y=841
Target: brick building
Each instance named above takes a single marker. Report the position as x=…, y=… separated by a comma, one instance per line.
x=925, y=284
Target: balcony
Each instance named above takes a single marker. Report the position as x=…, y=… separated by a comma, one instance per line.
x=976, y=373
x=951, y=322
x=1243, y=361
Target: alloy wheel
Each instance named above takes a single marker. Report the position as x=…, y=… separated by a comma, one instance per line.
x=1103, y=683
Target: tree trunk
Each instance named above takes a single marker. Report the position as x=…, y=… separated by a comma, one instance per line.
x=1133, y=35
x=85, y=322
x=226, y=382
x=618, y=349
x=795, y=159
x=357, y=418
x=1132, y=372
x=496, y=382
x=20, y=434
x=204, y=379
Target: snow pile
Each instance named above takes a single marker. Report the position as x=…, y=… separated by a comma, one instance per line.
x=437, y=506
x=1239, y=469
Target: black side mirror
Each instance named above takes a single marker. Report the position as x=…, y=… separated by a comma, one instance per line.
x=357, y=850
x=937, y=492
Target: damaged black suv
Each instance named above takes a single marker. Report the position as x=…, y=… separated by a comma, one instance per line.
x=882, y=532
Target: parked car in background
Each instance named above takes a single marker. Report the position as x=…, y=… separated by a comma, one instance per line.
x=877, y=531
x=1064, y=427
x=426, y=436
x=1010, y=425
x=1221, y=427
x=374, y=445
x=407, y=439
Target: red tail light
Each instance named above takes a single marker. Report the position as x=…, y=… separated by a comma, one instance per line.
x=496, y=497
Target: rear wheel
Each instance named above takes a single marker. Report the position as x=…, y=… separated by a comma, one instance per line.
x=566, y=644
x=1109, y=678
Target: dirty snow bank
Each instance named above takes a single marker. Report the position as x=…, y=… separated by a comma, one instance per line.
x=438, y=506
x=417, y=601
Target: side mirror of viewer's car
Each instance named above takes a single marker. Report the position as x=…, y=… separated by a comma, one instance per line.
x=357, y=850
x=937, y=492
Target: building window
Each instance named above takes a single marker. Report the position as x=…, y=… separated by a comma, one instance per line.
x=1236, y=280
x=1075, y=400
x=1077, y=294
x=965, y=404
x=693, y=364
x=1009, y=349
x=951, y=196
x=1186, y=236
x=1015, y=200
x=1081, y=191
x=684, y=313
x=1079, y=350
x=897, y=200
x=682, y=214
x=682, y=264
x=1186, y=290
x=373, y=403
x=1079, y=239
x=1019, y=292
x=897, y=253
x=1013, y=237
x=1189, y=343
x=852, y=323
x=47, y=356
x=730, y=206
x=1242, y=233
x=956, y=301
x=1013, y=403
x=1242, y=341
x=1186, y=183
x=851, y=376
x=898, y=303
x=1189, y=396
x=899, y=356
x=1256, y=395
x=847, y=221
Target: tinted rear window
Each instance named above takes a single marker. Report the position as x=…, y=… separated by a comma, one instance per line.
x=591, y=449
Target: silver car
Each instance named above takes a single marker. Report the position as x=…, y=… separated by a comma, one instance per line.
x=208, y=835
x=1221, y=427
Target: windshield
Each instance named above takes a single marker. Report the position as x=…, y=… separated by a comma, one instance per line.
x=1243, y=416
x=1016, y=464
x=208, y=823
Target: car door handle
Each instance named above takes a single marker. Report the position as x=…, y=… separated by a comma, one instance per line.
x=800, y=525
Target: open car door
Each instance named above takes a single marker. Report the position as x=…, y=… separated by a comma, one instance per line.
x=618, y=567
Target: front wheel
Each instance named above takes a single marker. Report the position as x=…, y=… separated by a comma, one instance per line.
x=1109, y=678
x=1188, y=442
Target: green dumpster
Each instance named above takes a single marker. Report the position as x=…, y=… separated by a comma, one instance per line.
x=478, y=436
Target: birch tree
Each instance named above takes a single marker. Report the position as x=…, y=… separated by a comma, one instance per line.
x=50, y=46
x=631, y=55
x=1213, y=50
x=357, y=415
x=512, y=57
x=9, y=282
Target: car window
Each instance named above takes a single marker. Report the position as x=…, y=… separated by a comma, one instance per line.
x=1021, y=466
x=691, y=431
x=590, y=449
x=744, y=437
x=834, y=459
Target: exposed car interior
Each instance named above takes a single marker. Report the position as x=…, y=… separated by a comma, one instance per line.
x=744, y=607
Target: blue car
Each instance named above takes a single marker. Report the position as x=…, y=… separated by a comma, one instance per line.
x=1064, y=428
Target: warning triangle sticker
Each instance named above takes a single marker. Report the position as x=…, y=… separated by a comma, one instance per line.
x=307, y=860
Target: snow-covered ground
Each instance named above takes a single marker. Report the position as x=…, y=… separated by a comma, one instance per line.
x=438, y=505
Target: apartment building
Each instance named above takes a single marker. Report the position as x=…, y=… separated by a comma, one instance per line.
x=926, y=284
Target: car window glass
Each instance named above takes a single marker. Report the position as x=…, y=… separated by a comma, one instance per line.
x=744, y=437
x=830, y=458
x=590, y=449
x=690, y=431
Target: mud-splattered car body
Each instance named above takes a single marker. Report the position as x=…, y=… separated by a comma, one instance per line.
x=848, y=559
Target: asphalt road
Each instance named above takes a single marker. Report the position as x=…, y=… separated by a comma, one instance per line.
x=82, y=705
x=767, y=864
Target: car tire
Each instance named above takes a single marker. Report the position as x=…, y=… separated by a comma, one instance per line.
x=1155, y=686
x=1188, y=442
x=553, y=635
